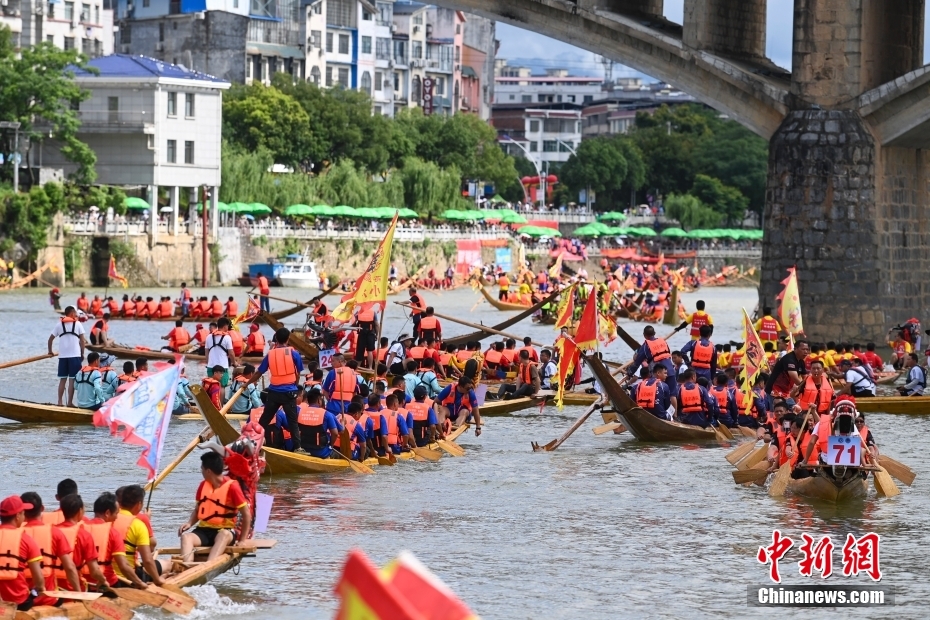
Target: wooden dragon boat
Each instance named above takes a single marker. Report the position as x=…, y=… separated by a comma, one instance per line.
x=501, y=305
x=39, y=413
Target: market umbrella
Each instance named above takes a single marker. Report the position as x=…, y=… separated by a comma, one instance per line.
x=258, y=208
x=611, y=216
x=539, y=231
x=321, y=210
x=298, y=210
x=367, y=213
x=642, y=231
x=132, y=202
x=674, y=231
x=452, y=214
x=497, y=198
x=513, y=218
x=473, y=215
x=343, y=211
x=407, y=214
x=588, y=231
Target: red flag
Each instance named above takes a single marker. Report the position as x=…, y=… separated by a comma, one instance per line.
x=568, y=360
x=566, y=308
x=586, y=336
x=114, y=274
x=365, y=596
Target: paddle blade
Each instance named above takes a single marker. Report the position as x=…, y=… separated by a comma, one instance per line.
x=747, y=432
x=606, y=428
x=7, y=611
x=609, y=416
x=429, y=455
x=383, y=460
x=178, y=601
x=898, y=470
x=780, y=482
x=726, y=431
x=756, y=457
x=743, y=476
x=143, y=597
x=740, y=453
x=102, y=608
x=884, y=484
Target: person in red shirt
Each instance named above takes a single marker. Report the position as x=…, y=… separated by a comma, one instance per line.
x=84, y=547
x=105, y=512
x=54, y=546
x=28, y=558
x=872, y=358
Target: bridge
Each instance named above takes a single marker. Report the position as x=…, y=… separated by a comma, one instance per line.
x=847, y=188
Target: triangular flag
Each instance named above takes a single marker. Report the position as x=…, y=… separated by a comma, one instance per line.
x=586, y=336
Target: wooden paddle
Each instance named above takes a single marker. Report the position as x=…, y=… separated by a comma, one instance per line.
x=617, y=427
x=756, y=457
x=628, y=339
x=450, y=447
x=725, y=430
x=745, y=476
x=884, y=485
x=426, y=453
x=555, y=443
x=142, y=597
x=178, y=601
x=897, y=469
x=26, y=360
x=740, y=453
x=74, y=596
x=102, y=608
x=780, y=483
x=8, y=611
x=355, y=465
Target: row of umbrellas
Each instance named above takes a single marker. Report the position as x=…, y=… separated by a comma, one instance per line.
x=504, y=216
x=370, y=213
x=599, y=229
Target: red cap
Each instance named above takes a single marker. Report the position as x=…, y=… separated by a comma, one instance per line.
x=254, y=327
x=12, y=506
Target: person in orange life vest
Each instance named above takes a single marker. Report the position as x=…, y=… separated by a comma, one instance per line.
x=200, y=336
x=285, y=365
x=801, y=449
x=758, y=411
x=164, y=309
x=430, y=328
x=70, y=334
x=458, y=403
x=112, y=306
x=768, y=326
x=216, y=307
x=702, y=354
x=98, y=333
x=504, y=283
x=128, y=308
x=726, y=400
x=652, y=392
x=527, y=381
x=96, y=307
x=54, y=546
x=128, y=375
x=177, y=337
x=83, y=304
x=417, y=308
x=528, y=347
x=151, y=307
x=694, y=405
x=83, y=545
x=494, y=361
x=185, y=299
x=213, y=386
x=231, y=308
x=655, y=351
x=107, y=540
x=509, y=354
x=422, y=419
x=20, y=557
x=314, y=381
x=419, y=351
x=815, y=390
x=789, y=371
x=263, y=292
x=65, y=487
x=238, y=342
x=868, y=441
x=250, y=399
x=397, y=434
x=355, y=430
x=319, y=429
x=135, y=530
x=255, y=342
x=219, y=500
x=195, y=312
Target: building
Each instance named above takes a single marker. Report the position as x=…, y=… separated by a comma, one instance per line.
x=515, y=85
x=545, y=134
x=150, y=123
x=73, y=25
x=479, y=50
x=616, y=112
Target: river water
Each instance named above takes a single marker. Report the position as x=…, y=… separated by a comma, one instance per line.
x=604, y=527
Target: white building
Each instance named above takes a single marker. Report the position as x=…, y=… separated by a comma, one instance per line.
x=150, y=123
x=543, y=135
x=73, y=25
x=513, y=86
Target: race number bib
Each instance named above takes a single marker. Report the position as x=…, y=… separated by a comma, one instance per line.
x=326, y=358
x=845, y=451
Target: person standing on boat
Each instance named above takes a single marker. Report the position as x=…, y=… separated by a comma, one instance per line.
x=417, y=308
x=654, y=350
x=367, y=322
x=694, y=405
x=698, y=319
x=218, y=500
x=916, y=377
x=185, y=299
x=651, y=393
x=285, y=365
x=219, y=349
x=789, y=371
x=263, y=292
x=702, y=353
x=430, y=328
x=70, y=334
x=768, y=327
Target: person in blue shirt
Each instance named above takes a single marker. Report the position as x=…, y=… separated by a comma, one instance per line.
x=251, y=398
x=376, y=427
x=427, y=377
x=702, y=354
x=285, y=365
x=319, y=428
x=652, y=392
x=422, y=419
x=358, y=436
x=726, y=400
x=88, y=384
x=400, y=384
x=404, y=440
x=340, y=385
x=655, y=351
x=411, y=380
x=457, y=402
x=109, y=378
x=695, y=406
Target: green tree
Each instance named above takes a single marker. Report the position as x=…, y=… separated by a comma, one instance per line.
x=37, y=90
x=728, y=201
x=690, y=212
x=606, y=165
x=737, y=157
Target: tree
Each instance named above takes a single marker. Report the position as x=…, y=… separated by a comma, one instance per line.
x=728, y=201
x=737, y=157
x=605, y=165
x=37, y=89
x=690, y=212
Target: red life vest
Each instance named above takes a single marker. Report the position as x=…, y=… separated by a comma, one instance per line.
x=100, y=532
x=690, y=400
x=702, y=356
x=255, y=342
x=658, y=348
x=237, y=342
x=166, y=309
x=737, y=360
x=129, y=308
x=179, y=337
x=428, y=324
x=312, y=431
x=722, y=394
x=282, y=367
x=232, y=308
x=417, y=352
x=768, y=329
x=698, y=320
x=646, y=393
x=345, y=385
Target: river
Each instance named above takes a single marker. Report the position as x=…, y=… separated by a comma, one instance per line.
x=604, y=527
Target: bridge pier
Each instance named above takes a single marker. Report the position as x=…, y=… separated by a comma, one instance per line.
x=728, y=27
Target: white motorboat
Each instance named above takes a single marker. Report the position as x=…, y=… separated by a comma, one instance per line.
x=299, y=272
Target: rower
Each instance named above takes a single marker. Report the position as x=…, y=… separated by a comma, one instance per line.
x=264, y=291
x=397, y=354
x=678, y=363
x=213, y=386
x=53, y=545
x=422, y=419
x=319, y=429
x=458, y=403
x=726, y=401
x=815, y=390
x=285, y=366
x=340, y=385
x=807, y=451
x=528, y=347
x=200, y=336
x=398, y=436
x=88, y=384
x=83, y=304
x=177, y=337
x=83, y=545
x=70, y=334
x=20, y=557
x=417, y=307
x=255, y=343
x=430, y=328
x=652, y=392
x=868, y=440
x=527, y=381
x=871, y=358
x=655, y=350
x=702, y=353
x=165, y=308
x=916, y=378
x=758, y=411
x=698, y=319
x=494, y=361
x=426, y=375
x=238, y=342
x=219, y=349
x=411, y=380
x=137, y=540
x=219, y=498
x=694, y=405
x=900, y=351
x=768, y=327
x=128, y=308
x=509, y=354
x=367, y=320
x=789, y=371
x=358, y=439
x=232, y=308
x=859, y=382
x=98, y=333
x=127, y=377
x=250, y=399
x=183, y=395
x=547, y=371
x=106, y=541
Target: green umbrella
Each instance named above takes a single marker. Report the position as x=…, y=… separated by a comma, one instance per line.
x=674, y=231
x=539, y=231
x=473, y=215
x=513, y=218
x=222, y=207
x=367, y=213
x=258, y=208
x=497, y=198
x=452, y=214
x=611, y=216
x=344, y=211
x=298, y=210
x=132, y=202
x=321, y=210
x=642, y=231
x=588, y=231
x=408, y=214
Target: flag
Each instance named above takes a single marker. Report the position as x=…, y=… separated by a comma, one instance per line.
x=141, y=414
x=789, y=311
x=790, y=346
x=660, y=262
x=754, y=360
x=586, y=336
x=371, y=287
x=555, y=272
x=521, y=256
x=251, y=311
x=608, y=329
x=566, y=307
x=115, y=275
x=403, y=590
x=568, y=358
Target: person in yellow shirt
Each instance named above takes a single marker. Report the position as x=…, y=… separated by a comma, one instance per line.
x=137, y=540
x=526, y=294
x=697, y=319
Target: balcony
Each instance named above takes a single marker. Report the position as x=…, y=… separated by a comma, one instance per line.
x=110, y=121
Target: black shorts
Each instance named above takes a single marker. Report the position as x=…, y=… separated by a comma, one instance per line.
x=144, y=576
x=366, y=341
x=207, y=535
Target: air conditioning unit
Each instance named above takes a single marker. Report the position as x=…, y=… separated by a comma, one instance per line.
x=415, y=64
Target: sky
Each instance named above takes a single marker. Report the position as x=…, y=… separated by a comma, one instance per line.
x=522, y=47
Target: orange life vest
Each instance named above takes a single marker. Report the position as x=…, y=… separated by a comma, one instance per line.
x=418, y=352
x=282, y=367
x=121, y=525
x=312, y=432
x=493, y=357
x=83, y=304
x=166, y=309
x=821, y=396
x=702, y=356
x=129, y=308
x=349, y=423
x=255, y=342
x=658, y=348
x=690, y=400
x=263, y=284
x=345, y=384
x=71, y=533
x=815, y=454
x=201, y=335
x=232, y=308
x=542, y=277
x=216, y=308
x=768, y=329
x=113, y=306
x=525, y=372
x=11, y=564
x=698, y=320
x=508, y=356
x=237, y=342
x=390, y=418
x=53, y=517
x=179, y=337
x=366, y=318
x=151, y=307
x=96, y=307
x=100, y=532
x=428, y=324
x=722, y=395
x=212, y=508
x=420, y=413
x=503, y=282
x=186, y=294
x=646, y=394
x=42, y=534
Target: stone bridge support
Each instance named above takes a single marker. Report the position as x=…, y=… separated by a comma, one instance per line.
x=734, y=28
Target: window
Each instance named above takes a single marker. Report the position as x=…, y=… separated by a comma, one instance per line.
x=396, y=81
x=534, y=147
x=418, y=19
x=439, y=88
x=366, y=82
x=565, y=146
x=69, y=11
x=526, y=98
x=458, y=53
x=415, y=89
x=550, y=146
x=383, y=48
x=512, y=97
x=588, y=98
x=416, y=50
x=112, y=102
x=378, y=110
x=343, y=44
x=125, y=33
x=458, y=29
x=366, y=45
x=329, y=42
x=85, y=13
x=366, y=16
x=189, y=105
x=315, y=75
x=50, y=10
x=188, y=151
x=534, y=126
x=329, y=76
x=571, y=98
x=161, y=32
x=87, y=46
x=146, y=3
x=318, y=8
x=344, y=77
x=50, y=39
x=171, y=154
x=69, y=43
x=235, y=4
x=173, y=103
x=379, y=78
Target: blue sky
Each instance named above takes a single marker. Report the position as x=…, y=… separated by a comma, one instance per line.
x=522, y=46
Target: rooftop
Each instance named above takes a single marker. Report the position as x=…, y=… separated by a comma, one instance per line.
x=129, y=66
x=407, y=8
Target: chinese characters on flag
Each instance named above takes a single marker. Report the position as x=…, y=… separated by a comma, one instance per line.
x=860, y=555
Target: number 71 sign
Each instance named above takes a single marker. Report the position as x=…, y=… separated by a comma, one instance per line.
x=845, y=451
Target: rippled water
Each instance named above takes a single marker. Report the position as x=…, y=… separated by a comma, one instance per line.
x=604, y=527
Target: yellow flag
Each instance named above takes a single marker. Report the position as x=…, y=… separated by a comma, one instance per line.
x=754, y=360
x=556, y=270
x=789, y=311
x=372, y=286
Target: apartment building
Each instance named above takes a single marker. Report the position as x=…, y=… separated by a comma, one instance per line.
x=73, y=25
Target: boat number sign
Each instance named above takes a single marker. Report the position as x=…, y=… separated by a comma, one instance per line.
x=326, y=358
x=846, y=451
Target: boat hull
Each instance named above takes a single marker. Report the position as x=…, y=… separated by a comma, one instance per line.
x=295, y=282
x=902, y=405
x=124, y=353
x=501, y=305
x=37, y=413
x=827, y=489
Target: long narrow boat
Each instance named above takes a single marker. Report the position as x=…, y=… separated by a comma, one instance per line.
x=827, y=488
x=904, y=405
x=38, y=413
x=481, y=335
x=309, y=350
x=501, y=305
x=493, y=408
x=125, y=353
x=642, y=424
x=888, y=378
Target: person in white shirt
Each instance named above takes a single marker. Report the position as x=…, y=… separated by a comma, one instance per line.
x=219, y=349
x=71, y=343
x=859, y=382
x=397, y=354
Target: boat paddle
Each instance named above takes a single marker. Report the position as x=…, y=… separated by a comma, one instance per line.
x=745, y=476
x=26, y=360
x=897, y=469
x=884, y=485
x=616, y=427
x=555, y=443
x=450, y=447
x=740, y=453
x=780, y=482
x=360, y=468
